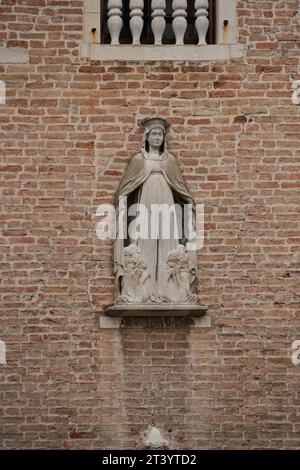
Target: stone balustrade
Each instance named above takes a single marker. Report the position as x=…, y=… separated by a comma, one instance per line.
x=115, y=21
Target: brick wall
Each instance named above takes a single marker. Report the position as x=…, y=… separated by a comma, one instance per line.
x=67, y=131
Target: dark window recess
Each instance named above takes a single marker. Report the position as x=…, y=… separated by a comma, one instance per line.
x=147, y=37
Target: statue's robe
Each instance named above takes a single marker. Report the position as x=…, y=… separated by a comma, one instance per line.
x=135, y=175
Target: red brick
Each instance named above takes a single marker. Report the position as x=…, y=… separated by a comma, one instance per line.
x=67, y=132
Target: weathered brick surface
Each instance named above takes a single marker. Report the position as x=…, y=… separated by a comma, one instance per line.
x=67, y=132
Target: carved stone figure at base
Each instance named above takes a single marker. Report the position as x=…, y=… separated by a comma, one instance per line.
x=177, y=269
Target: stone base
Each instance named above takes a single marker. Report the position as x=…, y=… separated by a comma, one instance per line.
x=193, y=323
x=152, y=310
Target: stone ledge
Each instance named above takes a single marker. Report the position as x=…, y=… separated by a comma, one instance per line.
x=192, y=323
x=202, y=322
x=152, y=310
x=166, y=52
x=13, y=56
x=109, y=322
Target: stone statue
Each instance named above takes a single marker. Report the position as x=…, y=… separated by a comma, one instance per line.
x=149, y=267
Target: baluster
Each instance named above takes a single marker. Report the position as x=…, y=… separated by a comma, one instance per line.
x=179, y=22
x=158, y=23
x=136, y=23
x=114, y=22
x=202, y=21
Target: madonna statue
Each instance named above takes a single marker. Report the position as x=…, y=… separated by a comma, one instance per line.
x=152, y=264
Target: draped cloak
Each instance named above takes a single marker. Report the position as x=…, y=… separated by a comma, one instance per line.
x=135, y=175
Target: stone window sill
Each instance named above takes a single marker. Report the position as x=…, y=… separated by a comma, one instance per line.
x=148, y=52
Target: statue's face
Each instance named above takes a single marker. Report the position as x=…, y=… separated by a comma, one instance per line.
x=156, y=137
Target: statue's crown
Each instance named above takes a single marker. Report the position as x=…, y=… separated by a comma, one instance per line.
x=152, y=123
